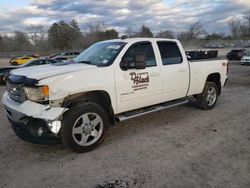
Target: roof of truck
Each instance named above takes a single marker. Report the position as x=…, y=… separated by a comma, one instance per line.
x=141, y=39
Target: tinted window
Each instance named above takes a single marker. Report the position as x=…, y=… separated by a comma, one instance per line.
x=145, y=48
x=61, y=58
x=170, y=53
x=42, y=62
x=66, y=53
x=32, y=63
x=50, y=61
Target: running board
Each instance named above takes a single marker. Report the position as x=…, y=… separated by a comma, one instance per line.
x=147, y=110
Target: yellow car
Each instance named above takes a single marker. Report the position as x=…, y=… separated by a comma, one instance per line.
x=22, y=60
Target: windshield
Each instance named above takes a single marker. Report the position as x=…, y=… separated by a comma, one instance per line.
x=25, y=64
x=100, y=54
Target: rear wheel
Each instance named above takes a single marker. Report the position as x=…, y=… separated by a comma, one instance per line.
x=208, y=98
x=84, y=128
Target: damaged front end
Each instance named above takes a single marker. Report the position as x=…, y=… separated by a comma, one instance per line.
x=37, y=122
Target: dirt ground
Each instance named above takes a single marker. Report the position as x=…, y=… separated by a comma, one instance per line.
x=179, y=147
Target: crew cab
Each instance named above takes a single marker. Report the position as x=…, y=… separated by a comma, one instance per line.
x=113, y=80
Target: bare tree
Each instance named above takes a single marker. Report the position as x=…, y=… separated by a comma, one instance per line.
x=37, y=33
x=196, y=30
x=247, y=18
x=166, y=34
x=20, y=41
x=234, y=25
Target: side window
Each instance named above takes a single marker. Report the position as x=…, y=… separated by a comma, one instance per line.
x=32, y=63
x=49, y=61
x=145, y=48
x=42, y=62
x=170, y=53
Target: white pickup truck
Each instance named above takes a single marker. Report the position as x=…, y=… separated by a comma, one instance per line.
x=113, y=80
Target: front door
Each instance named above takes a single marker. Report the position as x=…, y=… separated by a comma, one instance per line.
x=136, y=88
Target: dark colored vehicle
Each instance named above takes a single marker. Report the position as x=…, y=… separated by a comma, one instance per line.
x=236, y=54
x=67, y=54
x=70, y=55
x=200, y=54
x=61, y=58
x=5, y=70
x=54, y=55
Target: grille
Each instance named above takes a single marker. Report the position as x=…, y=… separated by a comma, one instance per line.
x=16, y=92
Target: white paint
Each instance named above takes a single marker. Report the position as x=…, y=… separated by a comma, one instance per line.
x=166, y=82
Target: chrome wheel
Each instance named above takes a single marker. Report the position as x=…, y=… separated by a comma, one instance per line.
x=87, y=129
x=211, y=96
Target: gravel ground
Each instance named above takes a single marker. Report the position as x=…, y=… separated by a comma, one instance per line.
x=179, y=147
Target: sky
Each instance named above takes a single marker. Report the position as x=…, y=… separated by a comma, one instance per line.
x=159, y=15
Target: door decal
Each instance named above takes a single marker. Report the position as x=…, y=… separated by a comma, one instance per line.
x=140, y=80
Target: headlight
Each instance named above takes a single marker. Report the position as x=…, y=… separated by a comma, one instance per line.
x=37, y=94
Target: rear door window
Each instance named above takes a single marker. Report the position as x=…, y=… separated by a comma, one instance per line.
x=170, y=53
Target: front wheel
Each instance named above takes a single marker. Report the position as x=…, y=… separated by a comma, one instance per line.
x=14, y=63
x=84, y=128
x=2, y=80
x=208, y=98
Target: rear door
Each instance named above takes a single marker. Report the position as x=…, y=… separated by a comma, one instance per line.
x=138, y=88
x=175, y=71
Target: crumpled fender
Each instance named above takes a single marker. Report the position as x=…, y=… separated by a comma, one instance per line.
x=40, y=111
x=32, y=109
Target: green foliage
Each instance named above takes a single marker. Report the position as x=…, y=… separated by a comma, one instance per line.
x=97, y=33
x=144, y=32
x=64, y=36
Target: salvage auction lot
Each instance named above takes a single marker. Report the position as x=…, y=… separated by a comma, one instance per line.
x=179, y=147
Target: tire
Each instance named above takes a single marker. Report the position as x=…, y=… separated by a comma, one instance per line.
x=208, y=98
x=84, y=128
x=2, y=80
x=14, y=63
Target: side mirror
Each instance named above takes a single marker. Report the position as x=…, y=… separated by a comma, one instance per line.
x=140, y=61
x=189, y=57
x=124, y=65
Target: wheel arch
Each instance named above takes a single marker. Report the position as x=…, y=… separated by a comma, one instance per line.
x=216, y=78
x=99, y=97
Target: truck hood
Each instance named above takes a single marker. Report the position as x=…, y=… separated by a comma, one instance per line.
x=45, y=71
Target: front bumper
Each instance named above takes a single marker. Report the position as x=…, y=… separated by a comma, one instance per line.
x=30, y=132
x=245, y=62
x=32, y=121
x=17, y=111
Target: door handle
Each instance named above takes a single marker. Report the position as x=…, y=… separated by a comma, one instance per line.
x=154, y=74
x=182, y=70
